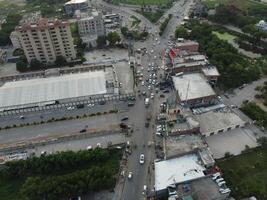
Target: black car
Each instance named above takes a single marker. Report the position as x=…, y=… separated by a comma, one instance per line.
x=83, y=130
x=166, y=91
x=125, y=119
x=80, y=106
x=102, y=102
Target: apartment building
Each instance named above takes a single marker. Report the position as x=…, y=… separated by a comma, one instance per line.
x=90, y=26
x=14, y=37
x=45, y=40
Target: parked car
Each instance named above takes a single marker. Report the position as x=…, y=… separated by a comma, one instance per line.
x=124, y=118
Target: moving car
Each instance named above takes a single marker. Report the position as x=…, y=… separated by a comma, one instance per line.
x=130, y=175
x=125, y=118
x=142, y=159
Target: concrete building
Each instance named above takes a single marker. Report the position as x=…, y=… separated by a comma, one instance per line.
x=193, y=90
x=215, y=122
x=73, y=5
x=90, y=26
x=14, y=37
x=190, y=46
x=45, y=40
x=211, y=73
x=262, y=25
x=112, y=21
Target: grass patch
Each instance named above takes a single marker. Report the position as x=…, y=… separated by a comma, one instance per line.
x=246, y=174
x=224, y=36
x=142, y=2
x=152, y=16
x=136, y=21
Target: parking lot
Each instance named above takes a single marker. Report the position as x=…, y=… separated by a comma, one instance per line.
x=233, y=141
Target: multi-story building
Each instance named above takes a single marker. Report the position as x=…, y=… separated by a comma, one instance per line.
x=90, y=26
x=45, y=40
x=74, y=5
x=14, y=37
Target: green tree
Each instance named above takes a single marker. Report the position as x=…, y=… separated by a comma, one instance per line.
x=101, y=41
x=35, y=64
x=21, y=66
x=113, y=38
x=181, y=32
x=60, y=61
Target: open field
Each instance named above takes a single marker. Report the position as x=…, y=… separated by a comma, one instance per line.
x=224, y=36
x=142, y=2
x=246, y=174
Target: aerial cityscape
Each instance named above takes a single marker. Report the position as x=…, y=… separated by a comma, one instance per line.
x=133, y=99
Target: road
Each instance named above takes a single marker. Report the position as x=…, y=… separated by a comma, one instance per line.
x=143, y=138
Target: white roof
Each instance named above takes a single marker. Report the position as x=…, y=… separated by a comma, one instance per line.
x=177, y=170
x=52, y=88
x=75, y=1
x=192, y=86
x=210, y=71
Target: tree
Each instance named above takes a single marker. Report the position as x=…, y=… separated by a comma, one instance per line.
x=181, y=32
x=35, y=64
x=101, y=41
x=60, y=61
x=21, y=66
x=113, y=38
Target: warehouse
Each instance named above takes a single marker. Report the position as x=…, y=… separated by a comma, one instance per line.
x=39, y=91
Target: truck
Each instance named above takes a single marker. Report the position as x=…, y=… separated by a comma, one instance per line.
x=146, y=102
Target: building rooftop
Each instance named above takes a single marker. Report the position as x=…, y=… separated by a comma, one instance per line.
x=214, y=121
x=192, y=86
x=177, y=170
x=210, y=71
x=75, y=2
x=19, y=93
x=190, y=64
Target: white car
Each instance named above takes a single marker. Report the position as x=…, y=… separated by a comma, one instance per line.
x=158, y=133
x=152, y=95
x=142, y=159
x=149, y=87
x=70, y=108
x=155, y=57
x=143, y=83
x=152, y=51
x=130, y=175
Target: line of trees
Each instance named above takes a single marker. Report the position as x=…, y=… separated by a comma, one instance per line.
x=112, y=38
x=133, y=34
x=77, y=183
x=164, y=24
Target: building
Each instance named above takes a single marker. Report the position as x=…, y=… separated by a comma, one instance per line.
x=215, y=122
x=70, y=87
x=211, y=73
x=193, y=90
x=177, y=171
x=14, y=37
x=73, y=5
x=262, y=25
x=90, y=27
x=45, y=40
x=187, y=45
x=112, y=21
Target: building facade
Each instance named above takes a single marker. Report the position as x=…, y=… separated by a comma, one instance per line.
x=91, y=25
x=45, y=40
x=14, y=37
x=262, y=25
x=71, y=6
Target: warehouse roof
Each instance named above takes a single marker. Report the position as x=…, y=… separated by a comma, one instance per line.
x=177, y=170
x=53, y=88
x=192, y=86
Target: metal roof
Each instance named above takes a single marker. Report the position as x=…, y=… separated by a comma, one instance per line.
x=53, y=88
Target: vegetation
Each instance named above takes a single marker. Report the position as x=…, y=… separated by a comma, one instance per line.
x=60, y=175
x=80, y=46
x=152, y=16
x=136, y=21
x=234, y=68
x=255, y=113
x=101, y=41
x=225, y=36
x=263, y=92
x=246, y=174
x=181, y=32
x=12, y=20
x=142, y=2
x=113, y=38
x=164, y=24
x=136, y=35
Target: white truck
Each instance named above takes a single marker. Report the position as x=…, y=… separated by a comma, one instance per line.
x=146, y=102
